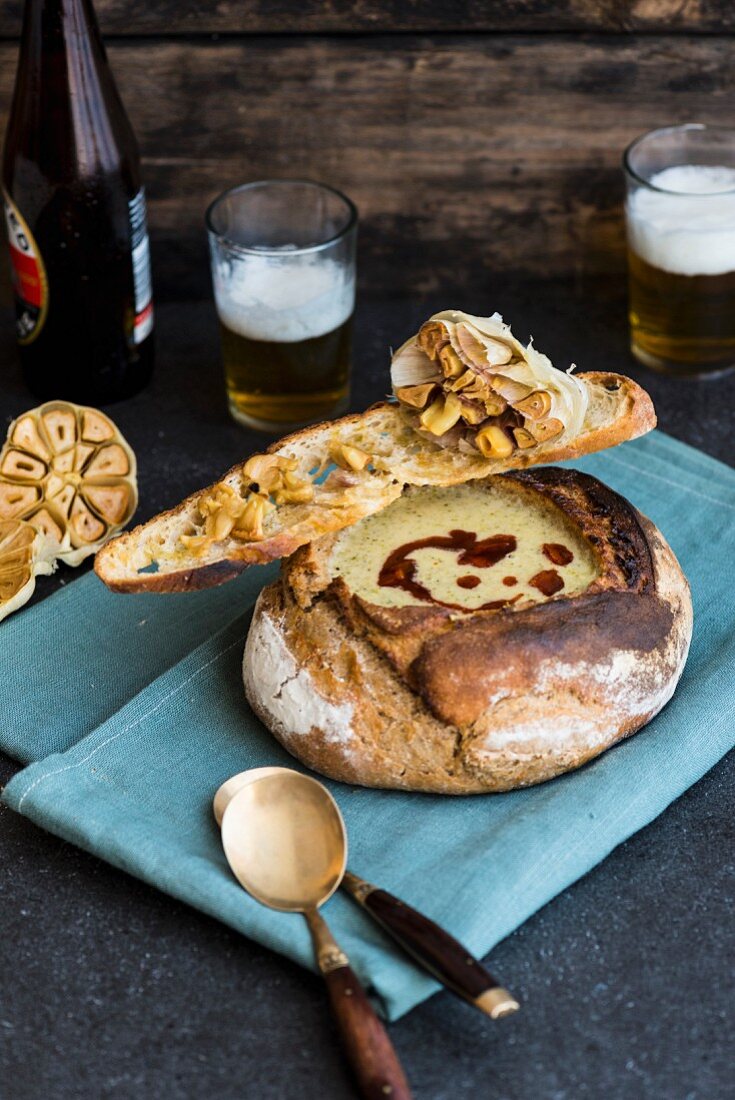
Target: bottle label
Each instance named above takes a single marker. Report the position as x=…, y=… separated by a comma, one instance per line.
x=30, y=282
x=141, y=268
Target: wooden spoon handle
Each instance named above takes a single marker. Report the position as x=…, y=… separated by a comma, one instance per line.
x=365, y=1040
x=370, y=1051
x=433, y=948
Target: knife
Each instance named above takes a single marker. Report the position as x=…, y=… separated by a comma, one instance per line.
x=433, y=948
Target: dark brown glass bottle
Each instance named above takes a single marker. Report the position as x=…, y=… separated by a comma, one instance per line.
x=75, y=213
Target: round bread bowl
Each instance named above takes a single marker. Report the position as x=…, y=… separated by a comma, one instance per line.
x=425, y=697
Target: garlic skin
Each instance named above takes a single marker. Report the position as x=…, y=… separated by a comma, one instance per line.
x=412, y=367
x=539, y=397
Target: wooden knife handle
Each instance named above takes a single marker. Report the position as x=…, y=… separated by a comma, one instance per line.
x=370, y=1052
x=436, y=951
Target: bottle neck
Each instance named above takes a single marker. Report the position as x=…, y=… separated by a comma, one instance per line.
x=63, y=69
x=52, y=27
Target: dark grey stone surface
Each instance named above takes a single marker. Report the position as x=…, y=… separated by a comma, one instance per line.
x=110, y=989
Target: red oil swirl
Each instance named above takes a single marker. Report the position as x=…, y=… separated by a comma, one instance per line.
x=548, y=582
x=510, y=581
x=468, y=581
x=557, y=553
x=399, y=569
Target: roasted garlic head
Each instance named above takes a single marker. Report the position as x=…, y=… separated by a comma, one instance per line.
x=468, y=378
x=24, y=553
x=67, y=470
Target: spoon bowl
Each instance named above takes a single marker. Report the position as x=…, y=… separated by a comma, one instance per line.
x=285, y=840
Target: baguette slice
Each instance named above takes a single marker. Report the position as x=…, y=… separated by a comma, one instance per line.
x=154, y=558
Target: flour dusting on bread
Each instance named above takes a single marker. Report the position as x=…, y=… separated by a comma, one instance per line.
x=287, y=692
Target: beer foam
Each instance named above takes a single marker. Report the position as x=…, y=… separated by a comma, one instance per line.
x=688, y=226
x=274, y=299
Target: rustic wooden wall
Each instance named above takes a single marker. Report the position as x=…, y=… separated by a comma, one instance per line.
x=473, y=136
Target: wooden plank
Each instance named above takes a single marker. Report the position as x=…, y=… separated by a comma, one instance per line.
x=186, y=17
x=464, y=155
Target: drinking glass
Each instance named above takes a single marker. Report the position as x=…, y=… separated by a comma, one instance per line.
x=680, y=216
x=283, y=268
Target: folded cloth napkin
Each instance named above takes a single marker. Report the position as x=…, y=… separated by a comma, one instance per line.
x=134, y=782
x=71, y=662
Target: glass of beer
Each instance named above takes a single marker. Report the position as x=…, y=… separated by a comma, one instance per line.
x=283, y=267
x=680, y=215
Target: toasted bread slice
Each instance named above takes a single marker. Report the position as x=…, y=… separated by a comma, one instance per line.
x=171, y=553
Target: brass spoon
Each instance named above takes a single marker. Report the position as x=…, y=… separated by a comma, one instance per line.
x=285, y=841
x=427, y=943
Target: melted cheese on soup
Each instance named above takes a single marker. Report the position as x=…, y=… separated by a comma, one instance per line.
x=526, y=572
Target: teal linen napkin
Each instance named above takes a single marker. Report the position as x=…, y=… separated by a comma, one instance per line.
x=137, y=789
x=67, y=664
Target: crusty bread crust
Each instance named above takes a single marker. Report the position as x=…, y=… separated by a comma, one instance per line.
x=413, y=698
x=618, y=410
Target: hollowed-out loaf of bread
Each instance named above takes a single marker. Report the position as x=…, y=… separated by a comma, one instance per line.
x=423, y=698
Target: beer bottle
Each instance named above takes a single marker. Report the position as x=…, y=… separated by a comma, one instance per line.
x=75, y=213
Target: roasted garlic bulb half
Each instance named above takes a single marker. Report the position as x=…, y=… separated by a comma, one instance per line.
x=468, y=382
x=68, y=471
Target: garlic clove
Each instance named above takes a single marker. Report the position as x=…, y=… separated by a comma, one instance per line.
x=542, y=430
x=348, y=457
x=96, y=428
x=441, y=415
x=432, y=337
x=415, y=396
x=25, y=435
x=110, y=461
x=17, y=500
x=22, y=467
x=523, y=438
x=109, y=501
x=84, y=524
x=536, y=406
x=494, y=442
x=60, y=426
x=451, y=364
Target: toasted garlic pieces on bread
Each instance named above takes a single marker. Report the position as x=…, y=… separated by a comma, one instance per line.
x=475, y=403
x=68, y=471
x=266, y=481
x=224, y=512
x=24, y=553
x=469, y=383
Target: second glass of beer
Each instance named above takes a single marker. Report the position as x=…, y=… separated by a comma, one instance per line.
x=283, y=267
x=680, y=214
